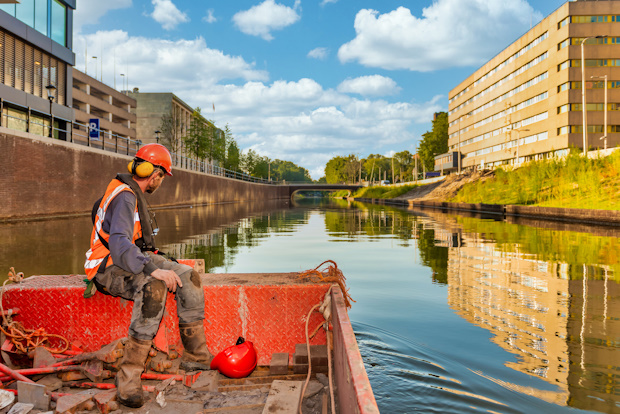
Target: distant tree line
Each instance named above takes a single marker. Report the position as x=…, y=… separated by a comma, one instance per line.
x=256, y=165
x=401, y=167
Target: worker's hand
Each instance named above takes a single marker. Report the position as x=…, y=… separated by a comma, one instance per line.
x=171, y=279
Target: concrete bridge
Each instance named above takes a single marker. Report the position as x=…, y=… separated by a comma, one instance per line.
x=296, y=187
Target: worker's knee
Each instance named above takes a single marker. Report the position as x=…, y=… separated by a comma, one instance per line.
x=154, y=298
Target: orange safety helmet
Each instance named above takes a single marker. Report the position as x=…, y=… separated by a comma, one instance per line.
x=237, y=361
x=157, y=155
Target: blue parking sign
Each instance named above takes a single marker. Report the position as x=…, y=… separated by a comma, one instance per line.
x=93, y=128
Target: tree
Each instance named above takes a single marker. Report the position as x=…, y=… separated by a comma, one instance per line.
x=196, y=141
x=170, y=126
x=289, y=171
x=434, y=142
x=403, y=165
x=232, y=154
x=374, y=165
x=334, y=170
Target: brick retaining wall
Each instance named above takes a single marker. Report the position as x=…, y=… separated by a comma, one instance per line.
x=47, y=177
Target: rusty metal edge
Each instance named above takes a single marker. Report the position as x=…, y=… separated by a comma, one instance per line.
x=350, y=373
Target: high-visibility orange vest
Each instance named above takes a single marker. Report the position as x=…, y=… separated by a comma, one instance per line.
x=99, y=250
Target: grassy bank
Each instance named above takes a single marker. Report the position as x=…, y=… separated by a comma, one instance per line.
x=377, y=191
x=572, y=182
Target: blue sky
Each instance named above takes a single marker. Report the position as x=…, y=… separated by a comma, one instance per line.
x=303, y=80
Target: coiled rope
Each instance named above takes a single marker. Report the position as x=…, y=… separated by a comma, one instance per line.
x=24, y=339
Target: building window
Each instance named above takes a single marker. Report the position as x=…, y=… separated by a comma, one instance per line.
x=563, y=44
x=563, y=65
x=563, y=108
x=596, y=41
x=563, y=22
x=576, y=63
x=24, y=11
x=59, y=23
x=29, y=69
x=40, y=16
x=594, y=128
x=563, y=130
x=591, y=107
x=595, y=19
x=563, y=86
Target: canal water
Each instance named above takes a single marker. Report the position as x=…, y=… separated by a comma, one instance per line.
x=453, y=313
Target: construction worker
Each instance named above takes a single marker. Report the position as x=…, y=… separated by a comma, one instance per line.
x=123, y=261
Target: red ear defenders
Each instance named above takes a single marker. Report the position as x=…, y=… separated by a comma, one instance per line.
x=140, y=168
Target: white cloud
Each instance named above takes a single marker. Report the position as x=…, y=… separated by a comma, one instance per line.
x=306, y=124
x=89, y=11
x=324, y=2
x=375, y=85
x=209, y=18
x=266, y=17
x=158, y=65
x=167, y=14
x=450, y=33
x=318, y=53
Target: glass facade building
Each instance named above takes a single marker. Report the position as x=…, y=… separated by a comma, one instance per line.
x=48, y=17
x=36, y=74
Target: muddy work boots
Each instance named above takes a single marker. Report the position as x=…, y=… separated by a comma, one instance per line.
x=128, y=383
x=196, y=356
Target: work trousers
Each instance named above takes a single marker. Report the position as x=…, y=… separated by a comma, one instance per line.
x=149, y=295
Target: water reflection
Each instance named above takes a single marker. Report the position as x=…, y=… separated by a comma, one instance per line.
x=454, y=313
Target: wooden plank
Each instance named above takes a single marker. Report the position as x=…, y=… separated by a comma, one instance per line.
x=284, y=397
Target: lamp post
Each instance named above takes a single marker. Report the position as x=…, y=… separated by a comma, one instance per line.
x=50, y=95
x=123, y=75
x=604, y=137
x=583, y=95
x=157, y=132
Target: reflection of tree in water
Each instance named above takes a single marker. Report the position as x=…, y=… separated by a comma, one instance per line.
x=370, y=220
x=220, y=248
x=432, y=255
x=552, y=245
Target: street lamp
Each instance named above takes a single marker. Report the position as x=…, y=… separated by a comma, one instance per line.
x=50, y=95
x=583, y=94
x=157, y=132
x=123, y=75
x=604, y=137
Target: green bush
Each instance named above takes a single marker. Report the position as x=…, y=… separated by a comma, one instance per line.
x=571, y=182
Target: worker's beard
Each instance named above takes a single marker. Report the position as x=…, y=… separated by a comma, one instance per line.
x=152, y=186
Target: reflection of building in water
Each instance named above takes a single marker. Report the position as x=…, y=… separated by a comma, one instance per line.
x=593, y=340
x=563, y=331
x=521, y=300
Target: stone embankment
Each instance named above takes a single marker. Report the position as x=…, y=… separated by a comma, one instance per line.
x=434, y=196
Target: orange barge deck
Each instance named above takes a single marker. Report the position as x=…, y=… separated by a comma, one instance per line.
x=269, y=309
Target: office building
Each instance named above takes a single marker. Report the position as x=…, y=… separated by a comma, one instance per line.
x=163, y=117
x=113, y=111
x=36, y=71
x=526, y=103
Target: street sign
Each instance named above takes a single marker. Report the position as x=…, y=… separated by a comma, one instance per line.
x=93, y=128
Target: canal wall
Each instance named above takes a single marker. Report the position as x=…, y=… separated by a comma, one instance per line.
x=570, y=215
x=45, y=177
